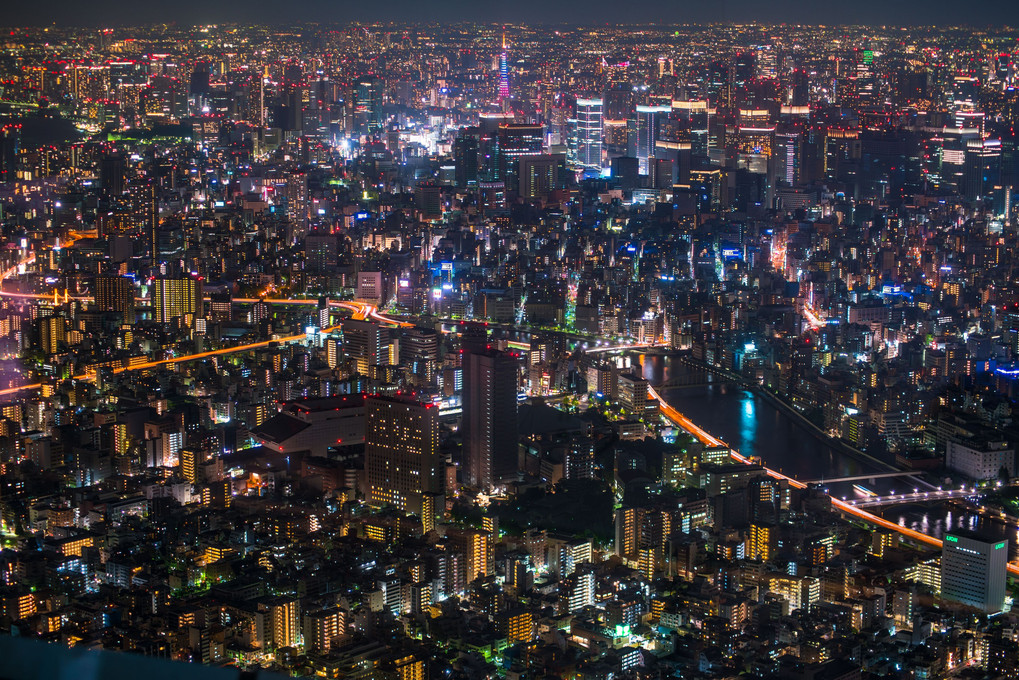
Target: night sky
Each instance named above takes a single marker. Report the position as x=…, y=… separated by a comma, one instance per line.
x=994, y=13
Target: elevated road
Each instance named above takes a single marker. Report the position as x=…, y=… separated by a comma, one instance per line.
x=858, y=478
x=917, y=497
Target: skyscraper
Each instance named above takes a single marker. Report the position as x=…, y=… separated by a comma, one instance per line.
x=646, y=122
x=514, y=142
x=369, y=344
x=10, y=145
x=973, y=570
x=369, y=101
x=146, y=205
x=589, y=135
x=401, y=452
x=177, y=297
x=115, y=294
x=111, y=175
x=788, y=148
x=489, y=417
x=465, y=157
x=982, y=167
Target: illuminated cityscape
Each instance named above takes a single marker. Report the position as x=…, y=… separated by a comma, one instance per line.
x=395, y=351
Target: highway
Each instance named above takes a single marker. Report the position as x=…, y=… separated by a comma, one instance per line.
x=359, y=310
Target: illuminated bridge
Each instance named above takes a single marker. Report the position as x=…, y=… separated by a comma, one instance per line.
x=860, y=478
x=845, y=507
x=916, y=497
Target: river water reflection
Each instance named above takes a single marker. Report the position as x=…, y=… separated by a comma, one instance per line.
x=754, y=427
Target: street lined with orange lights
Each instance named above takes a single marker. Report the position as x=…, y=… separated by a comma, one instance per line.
x=361, y=311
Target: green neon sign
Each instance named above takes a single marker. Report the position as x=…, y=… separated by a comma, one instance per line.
x=999, y=546
x=952, y=539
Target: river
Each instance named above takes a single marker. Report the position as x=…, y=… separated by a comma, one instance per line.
x=754, y=427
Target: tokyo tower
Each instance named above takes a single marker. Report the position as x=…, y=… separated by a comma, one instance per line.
x=504, y=90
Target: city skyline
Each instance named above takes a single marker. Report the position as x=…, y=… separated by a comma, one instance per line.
x=509, y=351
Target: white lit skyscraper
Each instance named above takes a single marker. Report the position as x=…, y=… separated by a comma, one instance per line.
x=647, y=121
x=589, y=135
x=973, y=571
x=787, y=157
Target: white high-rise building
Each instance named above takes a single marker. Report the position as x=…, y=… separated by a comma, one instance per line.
x=589, y=135
x=648, y=118
x=973, y=570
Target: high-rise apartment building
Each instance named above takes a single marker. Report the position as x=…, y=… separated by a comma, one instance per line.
x=489, y=417
x=323, y=628
x=475, y=548
x=176, y=298
x=116, y=294
x=278, y=622
x=52, y=334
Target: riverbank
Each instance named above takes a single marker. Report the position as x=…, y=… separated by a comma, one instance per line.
x=786, y=409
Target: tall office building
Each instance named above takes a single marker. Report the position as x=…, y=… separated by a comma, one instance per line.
x=401, y=452
x=645, y=130
x=540, y=175
x=116, y=294
x=489, y=417
x=111, y=175
x=10, y=147
x=321, y=252
x=516, y=141
x=145, y=203
x=973, y=570
x=369, y=101
x=419, y=352
x=589, y=135
x=465, y=157
x=176, y=298
x=788, y=147
x=982, y=167
x=369, y=344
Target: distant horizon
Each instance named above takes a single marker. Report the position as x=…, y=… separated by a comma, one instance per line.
x=994, y=14
x=507, y=24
